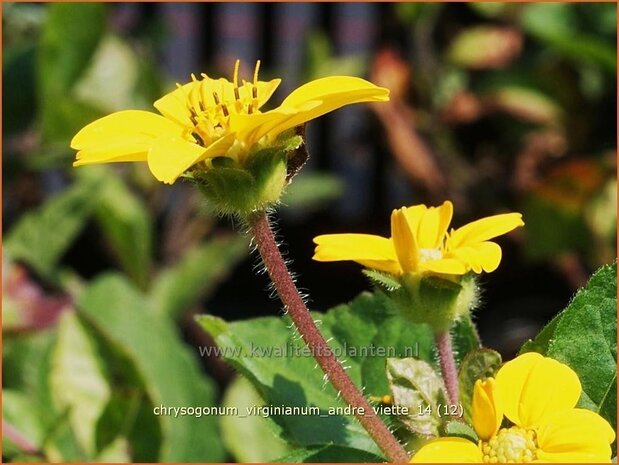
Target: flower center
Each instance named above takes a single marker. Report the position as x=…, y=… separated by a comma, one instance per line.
x=210, y=102
x=510, y=445
x=430, y=254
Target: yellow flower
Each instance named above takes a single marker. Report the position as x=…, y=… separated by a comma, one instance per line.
x=537, y=395
x=209, y=117
x=420, y=243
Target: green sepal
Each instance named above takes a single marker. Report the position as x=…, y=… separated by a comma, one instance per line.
x=254, y=184
x=384, y=281
x=437, y=301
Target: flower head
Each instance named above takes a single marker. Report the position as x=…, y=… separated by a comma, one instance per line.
x=537, y=395
x=420, y=243
x=208, y=118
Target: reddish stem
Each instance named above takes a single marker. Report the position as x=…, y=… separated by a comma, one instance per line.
x=302, y=319
x=448, y=365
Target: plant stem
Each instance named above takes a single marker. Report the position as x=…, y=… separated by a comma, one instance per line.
x=448, y=365
x=302, y=319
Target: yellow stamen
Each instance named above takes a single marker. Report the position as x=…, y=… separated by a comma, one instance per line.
x=235, y=79
x=510, y=445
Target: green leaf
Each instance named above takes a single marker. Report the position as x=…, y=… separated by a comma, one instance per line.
x=461, y=430
x=416, y=387
x=555, y=25
x=464, y=338
x=310, y=190
x=260, y=442
x=41, y=237
x=170, y=373
x=584, y=336
x=363, y=334
x=125, y=223
x=199, y=271
x=483, y=47
x=78, y=383
x=330, y=454
x=66, y=49
x=479, y=364
x=19, y=412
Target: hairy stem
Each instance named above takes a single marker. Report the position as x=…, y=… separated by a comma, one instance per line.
x=302, y=319
x=448, y=365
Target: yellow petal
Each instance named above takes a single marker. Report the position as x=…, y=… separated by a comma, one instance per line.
x=483, y=256
x=336, y=91
x=575, y=435
x=369, y=250
x=250, y=128
x=404, y=242
x=388, y=266
x=113, y=152
x=485, y=228
x=445, y=266
x=414, y=215
x=448, y=450
x=129, y=126
x=433, y=226
x=175, y=105
x=329, y=94
x=531, y=387
x=172, y=156
x=487, y=412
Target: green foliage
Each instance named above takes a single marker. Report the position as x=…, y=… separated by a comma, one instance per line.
x=365, y=333
x=416, y=386
x=124, y=221
x=310, y=190
x=77, y=380
x=460, y=429
x=478, y=364
x=329, y=454
x=584, y=336
x=41, y=237
x=177, y=288
x=169, y=372
x=65, y=51
x=259, y=443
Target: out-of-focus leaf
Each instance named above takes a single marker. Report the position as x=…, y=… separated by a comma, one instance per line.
x=322, y=62
x=332, y=454
x=23, y=415
x=483, y=47
x=260, y=440
x=18, y=106
x=125, y=222
x=556, y=25
x=311, y=190
x=416, y=386
x=70, y=37
x=170, y=373
x=42, y=236
x=584, y=336
x=117, y=452
x=556, y=205
x=524, y=103
x=177, y=288
x=77, y=380
x=113, y=62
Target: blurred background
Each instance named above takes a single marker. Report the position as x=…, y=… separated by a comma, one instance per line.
x=496, y=106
